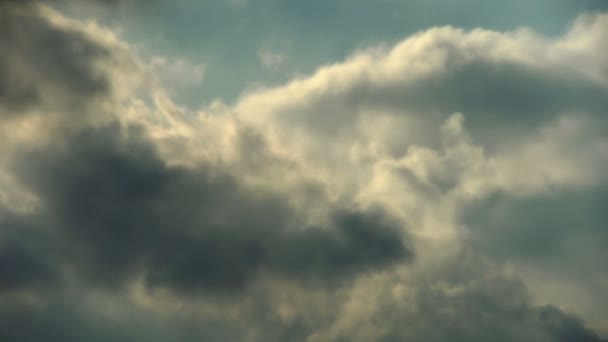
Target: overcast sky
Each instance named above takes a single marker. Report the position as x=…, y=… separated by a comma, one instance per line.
x=282, y=170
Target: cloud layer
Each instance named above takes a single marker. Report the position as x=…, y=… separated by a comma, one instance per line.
x=409, y=193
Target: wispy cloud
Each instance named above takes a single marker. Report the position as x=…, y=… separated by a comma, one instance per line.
x=271, y=59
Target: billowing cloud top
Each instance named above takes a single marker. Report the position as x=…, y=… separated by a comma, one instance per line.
x=449, y=186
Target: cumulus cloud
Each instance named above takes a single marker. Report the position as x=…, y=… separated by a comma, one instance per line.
x=140, y=214
x=500, y=81
x=463, y=300
x=532, y=123
x=390, y=197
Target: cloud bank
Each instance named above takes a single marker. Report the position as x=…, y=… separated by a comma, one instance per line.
x=418, y=192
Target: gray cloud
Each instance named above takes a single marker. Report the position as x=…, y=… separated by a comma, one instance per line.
x=47, y=65
x=22, y=269
x=21, y=3
x=111, y=212
x=497, y=97
x=122, y=210
x=465, y=301
x=545, y=226
x=65, y=319
x=556, y=238
x=498, y=312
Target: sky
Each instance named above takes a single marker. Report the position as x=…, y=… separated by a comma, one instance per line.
x=282, y=170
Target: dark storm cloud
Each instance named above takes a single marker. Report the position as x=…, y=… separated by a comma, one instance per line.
x=460, y=304
x=27, y=261
x=21, y=269
x=20, y=322
x=124, y=211
x=110, y=210
x=499, y=312
x=464, y=300
x=70, y=319
x=46, y=65
x=467, y=300
x=564, y=327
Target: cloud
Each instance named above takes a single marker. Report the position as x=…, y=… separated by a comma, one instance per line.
x=55, y=66
x=73, y=318
x=52, y=2
x=21, y=269
x=533, y=113
x=178, y=73
x=468, y=300
x=356, y=204
x=555, y=238
x=126, y=213
x=463, y=301
x=45, y=62
x=133, y=195
x=109, y=211
x=270, y=59
x=500, y=81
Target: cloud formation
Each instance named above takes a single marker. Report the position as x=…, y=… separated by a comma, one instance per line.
x=118, y=198
x=405, y=194
x=125, y=212
x=44, y=61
